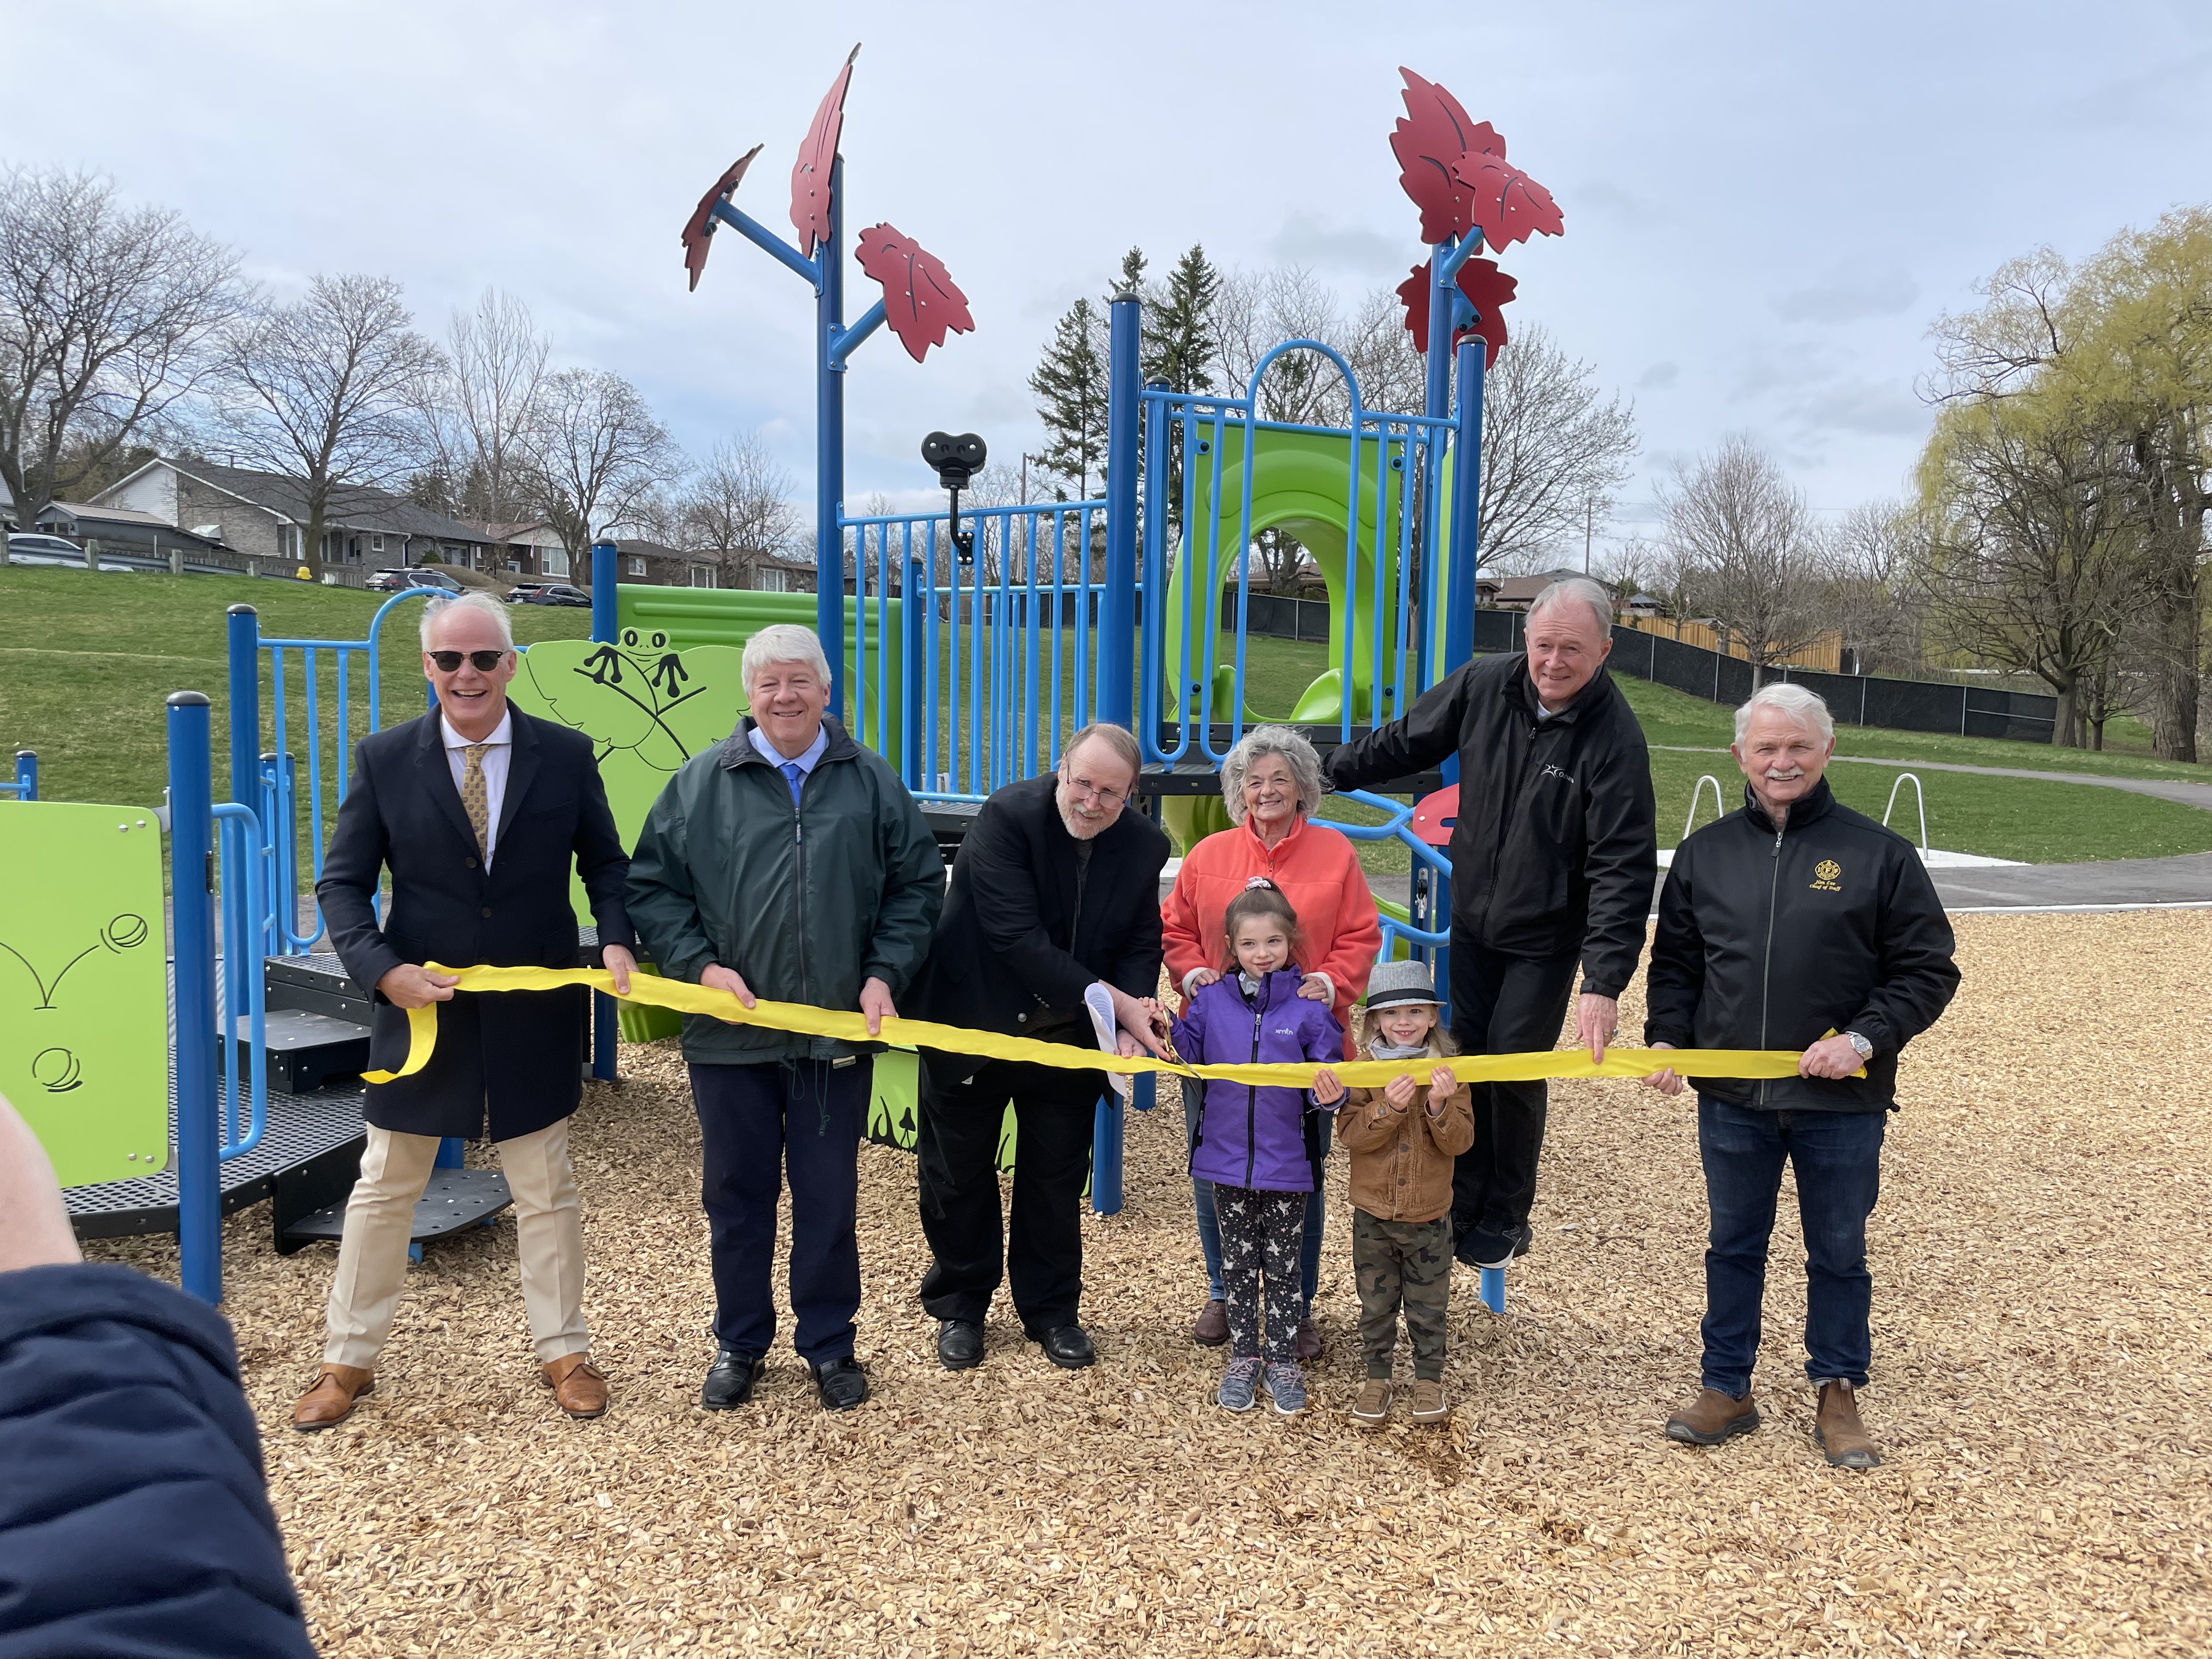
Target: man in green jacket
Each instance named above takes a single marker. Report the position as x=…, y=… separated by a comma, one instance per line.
x=791, y=864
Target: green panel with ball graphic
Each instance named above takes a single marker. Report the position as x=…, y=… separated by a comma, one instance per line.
x=84, y=994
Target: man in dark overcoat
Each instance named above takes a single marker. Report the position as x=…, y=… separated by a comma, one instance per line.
x=478, y=810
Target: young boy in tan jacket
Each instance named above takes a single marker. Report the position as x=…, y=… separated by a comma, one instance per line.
x=1402, y=1140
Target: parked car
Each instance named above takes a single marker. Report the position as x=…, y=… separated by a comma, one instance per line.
x=28, y=547
x=551, y=593
x=397, y=581
x=520, y=593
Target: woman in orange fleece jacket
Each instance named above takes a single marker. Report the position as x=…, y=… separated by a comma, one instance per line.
x=1272, y=782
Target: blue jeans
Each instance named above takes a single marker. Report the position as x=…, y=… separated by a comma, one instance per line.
x=1209, y=1228
x=1838, y=1159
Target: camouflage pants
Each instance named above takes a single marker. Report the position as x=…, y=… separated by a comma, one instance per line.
x=1402, y=1264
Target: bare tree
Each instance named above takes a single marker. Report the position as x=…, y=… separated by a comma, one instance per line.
x=737, y=509
x=484, y=409
x=1745, y=551
x=1873, y=556
x=108, y=316
x=2031, y=552
x=1394, y=374
x=598, y=456
x=328, y=391
x=1555, y=450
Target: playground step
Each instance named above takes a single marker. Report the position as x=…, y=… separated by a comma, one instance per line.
x=454, y=1199
x=315, y=984
x=307, y=1050
x=308, y=1157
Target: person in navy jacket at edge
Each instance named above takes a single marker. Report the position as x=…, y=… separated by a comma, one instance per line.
x=134, y=1516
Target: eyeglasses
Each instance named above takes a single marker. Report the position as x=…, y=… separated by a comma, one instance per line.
x=483, y=661
x=1084, y=789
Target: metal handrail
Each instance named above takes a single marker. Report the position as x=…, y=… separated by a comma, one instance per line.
x=242, y=855
x=1904, y=778
x=1696, y=794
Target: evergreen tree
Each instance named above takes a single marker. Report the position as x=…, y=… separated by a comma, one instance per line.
x=1070, y=383
x=1131, y=281
x=1179, y=331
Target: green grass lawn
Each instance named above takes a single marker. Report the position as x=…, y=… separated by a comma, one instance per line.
x=85, y=661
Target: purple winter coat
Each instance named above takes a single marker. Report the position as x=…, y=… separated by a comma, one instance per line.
x=1249, y=1136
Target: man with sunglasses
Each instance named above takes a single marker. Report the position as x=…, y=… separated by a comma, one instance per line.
x=478, y=810
x=1056, y=891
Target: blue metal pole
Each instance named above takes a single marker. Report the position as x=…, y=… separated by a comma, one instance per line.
x=1467, y=478
x=1491, y=1288
x=830, y=444
x=453, y=1153
x=245, y=638
x=917, y=611
x=606, y=618
x=606, y=627
x=27, y=775
x=192, y=834
x=1117, y=632
x=1105, y=1155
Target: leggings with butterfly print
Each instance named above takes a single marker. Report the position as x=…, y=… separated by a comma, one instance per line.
x=1260, y=1235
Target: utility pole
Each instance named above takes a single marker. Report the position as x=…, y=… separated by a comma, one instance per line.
x=1590, y=517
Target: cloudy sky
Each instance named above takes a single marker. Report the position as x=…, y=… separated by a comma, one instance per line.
x=1767, y=204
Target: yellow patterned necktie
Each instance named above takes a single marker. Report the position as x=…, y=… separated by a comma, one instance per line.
x=474, y=799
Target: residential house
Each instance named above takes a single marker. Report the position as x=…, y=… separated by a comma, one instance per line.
x=530, y=549
x=260, y=518
x=1519, y=593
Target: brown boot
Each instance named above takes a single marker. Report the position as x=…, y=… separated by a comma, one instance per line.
x=1306, y=1345
x=579, y=1388
x=1211, y=1329
x=1837, y=1428
x=1711, y=1417
x=331, y=1400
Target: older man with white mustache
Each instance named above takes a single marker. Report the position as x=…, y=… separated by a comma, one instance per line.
x=1793, y=923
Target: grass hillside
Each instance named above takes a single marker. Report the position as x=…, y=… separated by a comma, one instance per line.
x=86, y=660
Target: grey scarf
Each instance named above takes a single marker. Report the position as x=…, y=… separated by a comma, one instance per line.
x=1382, y=1050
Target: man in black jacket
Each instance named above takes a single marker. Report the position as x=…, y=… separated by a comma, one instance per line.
x=1553, y=857
x=478, y=810
x=1056, y=889
x=1794, y=923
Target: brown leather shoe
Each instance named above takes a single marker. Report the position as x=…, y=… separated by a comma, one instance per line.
x=579, y=1388
x=1711, y=1417
x=1836, y=1428
x=1211, y=1329
x=1306, y=1346
x=331, y=1399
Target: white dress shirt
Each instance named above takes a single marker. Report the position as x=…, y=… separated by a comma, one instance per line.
x=494, y=765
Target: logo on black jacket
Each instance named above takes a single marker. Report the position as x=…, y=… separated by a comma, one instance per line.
x=1825, y=874
x=1557, y=772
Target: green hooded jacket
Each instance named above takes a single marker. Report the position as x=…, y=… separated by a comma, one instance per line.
x=804, y=902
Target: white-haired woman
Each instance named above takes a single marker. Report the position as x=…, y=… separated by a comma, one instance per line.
x=1271, y=783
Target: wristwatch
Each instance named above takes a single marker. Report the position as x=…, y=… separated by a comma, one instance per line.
x=1865, y=1048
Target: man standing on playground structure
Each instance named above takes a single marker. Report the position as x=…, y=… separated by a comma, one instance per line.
x=789, y=863
x=1553, y=858
x=1054, y=904
x=477, y=810
x=1794, y=923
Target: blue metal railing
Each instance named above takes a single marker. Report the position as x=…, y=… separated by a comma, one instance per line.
x=1388, y=458
x=26, y=784
x=243, y=861
x=1000, y=655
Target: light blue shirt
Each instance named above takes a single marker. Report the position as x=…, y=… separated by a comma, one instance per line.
x=783, y=764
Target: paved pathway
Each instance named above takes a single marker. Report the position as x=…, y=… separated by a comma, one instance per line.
x=2189, y=794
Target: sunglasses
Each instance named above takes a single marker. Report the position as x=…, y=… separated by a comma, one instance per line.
x=483, y=662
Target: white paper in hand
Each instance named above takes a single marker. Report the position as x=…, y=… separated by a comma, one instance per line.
x=1100, y=1001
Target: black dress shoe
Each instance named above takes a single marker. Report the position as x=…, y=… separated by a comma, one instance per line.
x=729, y=1380
x=960, y=1345
x=1065, y=1345
x=841, y=1383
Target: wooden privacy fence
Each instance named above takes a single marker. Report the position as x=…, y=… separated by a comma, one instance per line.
x=1823, y=655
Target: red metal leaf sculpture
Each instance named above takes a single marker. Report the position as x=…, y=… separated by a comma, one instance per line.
x=698, y=230
x=1428, y=141
x=818, y=159
x=1507, y=203
x=1487, y=288
x=921, y=302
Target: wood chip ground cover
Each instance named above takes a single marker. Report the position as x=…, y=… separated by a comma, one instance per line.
x=2043, y=1343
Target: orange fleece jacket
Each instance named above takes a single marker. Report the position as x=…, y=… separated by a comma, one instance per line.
x=1318, y=870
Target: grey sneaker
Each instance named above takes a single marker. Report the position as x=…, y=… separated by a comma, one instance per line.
x=1238, y=1384
x=1286, y=1387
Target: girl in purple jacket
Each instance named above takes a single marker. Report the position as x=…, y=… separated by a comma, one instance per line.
x=1259, y=1146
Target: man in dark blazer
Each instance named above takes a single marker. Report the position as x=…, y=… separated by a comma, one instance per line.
x=1056, y=889
x=477, y=810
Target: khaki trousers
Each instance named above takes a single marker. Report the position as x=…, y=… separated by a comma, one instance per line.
x=373, y=1250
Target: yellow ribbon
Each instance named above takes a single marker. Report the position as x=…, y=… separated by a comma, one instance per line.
x=807, y=1021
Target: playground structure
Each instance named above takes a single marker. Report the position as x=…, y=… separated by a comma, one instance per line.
x=966, y=665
